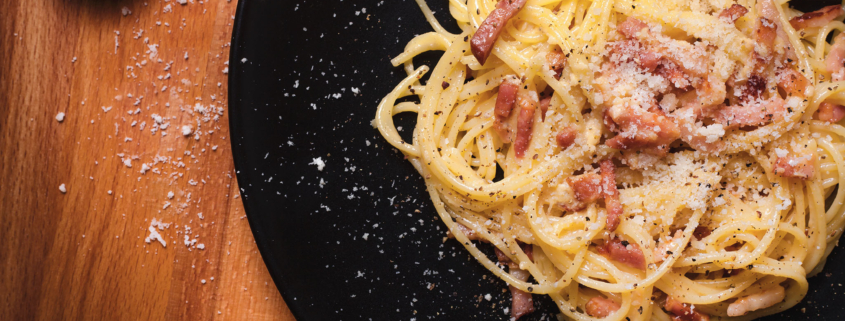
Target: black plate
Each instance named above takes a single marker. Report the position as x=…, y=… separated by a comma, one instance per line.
x=366, y=245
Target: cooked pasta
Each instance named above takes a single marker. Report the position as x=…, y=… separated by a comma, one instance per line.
x=634, y=159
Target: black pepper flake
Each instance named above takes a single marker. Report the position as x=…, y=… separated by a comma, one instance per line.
x=445, y=85
x=438, y=112
x=625, y=243
x=466, y=38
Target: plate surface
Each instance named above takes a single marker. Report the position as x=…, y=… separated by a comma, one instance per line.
x=357, y=239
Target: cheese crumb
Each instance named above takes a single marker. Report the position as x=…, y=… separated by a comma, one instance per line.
x=60, y=117
x=62, y=188
x=154, y=236
x=187, y=130
x=319, y=162
x=712, y=132
x=170, y=195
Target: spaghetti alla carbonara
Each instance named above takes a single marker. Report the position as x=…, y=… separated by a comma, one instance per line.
x=634, y=159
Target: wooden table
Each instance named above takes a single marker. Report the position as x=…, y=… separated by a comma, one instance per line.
x=128, y=75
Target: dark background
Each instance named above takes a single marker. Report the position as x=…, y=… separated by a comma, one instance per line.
x=291, y=101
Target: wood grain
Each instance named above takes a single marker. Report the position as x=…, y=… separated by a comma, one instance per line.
x=82, y=254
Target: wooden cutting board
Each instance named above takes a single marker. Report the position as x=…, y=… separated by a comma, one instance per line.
x=128, y=76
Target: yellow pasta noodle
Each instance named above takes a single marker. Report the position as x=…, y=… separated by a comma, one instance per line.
x=730, y=210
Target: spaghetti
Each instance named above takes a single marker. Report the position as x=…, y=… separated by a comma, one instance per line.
x=657, y=159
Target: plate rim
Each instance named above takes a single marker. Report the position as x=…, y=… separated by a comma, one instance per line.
x=238, y=155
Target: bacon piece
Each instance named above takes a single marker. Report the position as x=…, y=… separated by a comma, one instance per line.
x=755, y=113
x=527, y=102
x=768, y=10
x=631, y=26
x=485, y=37
x=730, y=15
x=753, y=88
x=710, y=93
x=611, y=195
x=504, y=105
x=765, y=33
x=701, y=232
x=831, y=112
x=648, y=59
x=675, y=75
x=792, y=82
x=623, y=252
x=633, y=49
x=589, y=188
x=692, y=61
x=733, y=247
x=703, y=138
x=566, y=137
x=586, y=189
x=522, y=302
x=600, y=307
x=544, y=107
x=557, y=61
x=835, y=60
x=545, y=101
x=683, y=311
x=641, y=129
x=818, y=18
x=528, y=249
x=795, y=167
x=660, y=59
